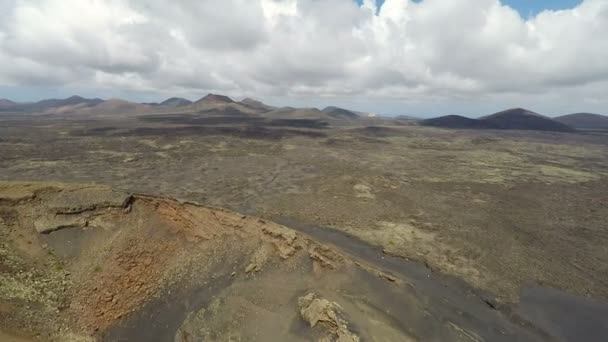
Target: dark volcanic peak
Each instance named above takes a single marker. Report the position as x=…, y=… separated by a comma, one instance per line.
x=176, y=102
x=342, y=113
x=522, y=119
x=215, y=98
x=513, y=112
x=584, y=120
x=456, y=121
x=518, y=118
x=75, y=99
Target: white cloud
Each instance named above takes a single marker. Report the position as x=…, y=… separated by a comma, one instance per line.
x=408, y=51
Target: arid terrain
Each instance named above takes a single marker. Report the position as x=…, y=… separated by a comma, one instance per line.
x=89, y=263
x=382, y=229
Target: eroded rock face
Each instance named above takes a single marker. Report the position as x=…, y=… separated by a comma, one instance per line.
x=78, y=207
x=316, y=310
x=61, y=206
x=86, y=199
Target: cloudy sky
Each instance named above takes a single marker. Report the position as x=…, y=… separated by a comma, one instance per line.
x=423, y=58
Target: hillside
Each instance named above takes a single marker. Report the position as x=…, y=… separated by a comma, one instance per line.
x=586, y=121
x=6, y=104
x=120, y=106
x=522, y=119
x=214, y=98
x=456, y=121
x=249, y=102
x=176, y=102
x=50, y=104
x=87, y=263
x=511, y=119
x=70, y=101
x=340, y=113
x=220, y=103
x=329, y=115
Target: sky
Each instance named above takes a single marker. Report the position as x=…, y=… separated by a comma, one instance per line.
x=395, y=57
x=526, y=8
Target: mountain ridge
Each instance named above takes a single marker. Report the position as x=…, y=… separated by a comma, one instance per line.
x=176, y=102
x=214, y=98
x=249, y=102
x=584, y=120
x=510, y=119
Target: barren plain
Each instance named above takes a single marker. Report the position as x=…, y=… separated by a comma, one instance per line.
x=488, y=213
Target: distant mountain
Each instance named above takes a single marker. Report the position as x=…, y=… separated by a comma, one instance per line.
x=517, y=118
x=523, y=119
x=222, y=105
x=456, y=121
x=118, y=106
x=340, y=113
x=214, y=98
x=7, y=104
x=584, y=121
x=56, y=104
x=112, y=107
x=249, y=102
x=176, y=102
x=80, y=100
x=70, y=101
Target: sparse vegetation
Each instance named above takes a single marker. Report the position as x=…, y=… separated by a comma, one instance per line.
x=499, y=209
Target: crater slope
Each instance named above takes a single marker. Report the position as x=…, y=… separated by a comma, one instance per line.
x=88, y=263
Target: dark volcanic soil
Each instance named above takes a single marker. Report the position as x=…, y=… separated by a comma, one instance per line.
x=490, y=212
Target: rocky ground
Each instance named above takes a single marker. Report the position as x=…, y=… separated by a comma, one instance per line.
x=85, y=263
x=502, y=211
